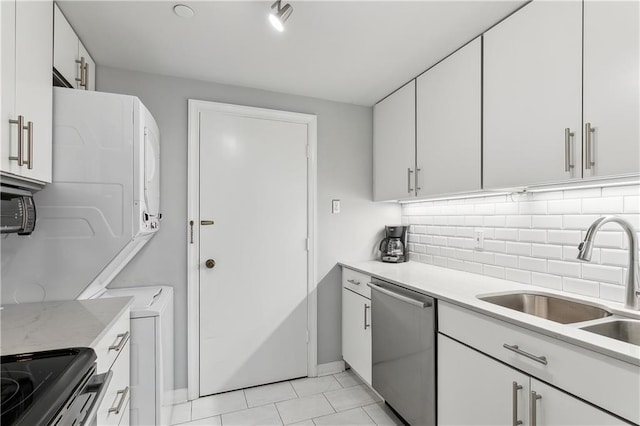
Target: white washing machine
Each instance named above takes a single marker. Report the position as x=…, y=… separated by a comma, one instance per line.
x=151, y=353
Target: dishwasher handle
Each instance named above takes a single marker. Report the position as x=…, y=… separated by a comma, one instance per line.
x=400, y=297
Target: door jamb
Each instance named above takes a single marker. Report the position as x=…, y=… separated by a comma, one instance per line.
x=195, y=108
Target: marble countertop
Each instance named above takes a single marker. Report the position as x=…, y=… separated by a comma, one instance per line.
x=462, y=288
x=33, y=327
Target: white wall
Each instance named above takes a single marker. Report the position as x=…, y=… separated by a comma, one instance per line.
x=530, y=238
x=344, y=172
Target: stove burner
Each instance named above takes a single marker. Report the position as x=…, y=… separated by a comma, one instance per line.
x=18, y=390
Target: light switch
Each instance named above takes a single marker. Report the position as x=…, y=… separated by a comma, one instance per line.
x=478, y=237
x=335, y=206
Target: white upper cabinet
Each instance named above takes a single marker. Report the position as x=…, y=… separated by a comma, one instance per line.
x=448, y=111
x=394, y=145
x=27, y=31
x=611, y=95
x=533, y=96
x=71, y=59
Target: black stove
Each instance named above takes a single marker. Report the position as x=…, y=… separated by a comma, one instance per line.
x=37, y=386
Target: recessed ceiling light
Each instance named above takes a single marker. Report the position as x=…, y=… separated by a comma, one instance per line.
x=279, y=15
x=183, y=11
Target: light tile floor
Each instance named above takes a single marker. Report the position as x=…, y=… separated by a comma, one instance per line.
x=339, y=399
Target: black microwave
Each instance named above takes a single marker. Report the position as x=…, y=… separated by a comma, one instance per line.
x=17, y=211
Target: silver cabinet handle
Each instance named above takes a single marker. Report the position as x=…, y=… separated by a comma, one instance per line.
x=418, y=188
x=206, y=222
x=514, y=406
x=533, y=399
x=516, y=349
x=121, y=339
x=588, y=160
x=365, y=316
x=123, y=397
x=409, y=173
x=400, y=297
x=20, y=123
x=83, y=67
x=568, y=135
x=86, y=76
x=29, y=128
x=354, y=282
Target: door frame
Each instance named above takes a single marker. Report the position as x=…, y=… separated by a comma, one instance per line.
x=195, y=108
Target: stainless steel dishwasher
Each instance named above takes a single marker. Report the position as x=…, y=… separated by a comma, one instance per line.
x=403, y=351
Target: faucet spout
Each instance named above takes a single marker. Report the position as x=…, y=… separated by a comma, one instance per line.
x=585, y=248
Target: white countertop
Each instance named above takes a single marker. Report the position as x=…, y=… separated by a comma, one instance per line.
x=462, y=288
x=33, y=327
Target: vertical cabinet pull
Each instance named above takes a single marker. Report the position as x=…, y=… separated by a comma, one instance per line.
x=365, y=316
x=568, y=157
x=533, y=399
x=418, y=188
x=514, y=406
x=20, y=123
x=83, y=68
x=588, y=142
x=29, y=129
x=86, y=76
x=409, y=173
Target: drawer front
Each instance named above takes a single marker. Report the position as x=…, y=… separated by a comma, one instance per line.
x=601, y=380
x=116, y=401
x=111, y=345
x=355, y=281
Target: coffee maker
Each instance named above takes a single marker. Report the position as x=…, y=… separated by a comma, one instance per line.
x=393, y=248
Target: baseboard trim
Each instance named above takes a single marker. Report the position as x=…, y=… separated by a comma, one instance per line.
x=330, y=368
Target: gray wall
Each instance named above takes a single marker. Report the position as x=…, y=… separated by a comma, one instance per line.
x=344, y=172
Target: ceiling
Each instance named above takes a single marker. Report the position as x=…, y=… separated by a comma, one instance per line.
x=347, y=51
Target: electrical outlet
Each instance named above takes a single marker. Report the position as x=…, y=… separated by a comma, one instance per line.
x=335, y=206
x=478, y=237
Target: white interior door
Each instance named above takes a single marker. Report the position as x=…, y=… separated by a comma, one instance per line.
x=253, y=302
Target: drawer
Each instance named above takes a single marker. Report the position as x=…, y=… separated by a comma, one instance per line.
x=108, y=348
x=116, y=401
x=355, y=281
x=599, y=379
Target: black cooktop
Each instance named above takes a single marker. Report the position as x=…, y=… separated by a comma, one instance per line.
x=35, y=386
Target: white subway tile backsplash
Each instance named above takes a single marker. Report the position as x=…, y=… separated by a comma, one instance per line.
x=564, y=268
x=583, y=287
x=532, y=235
x=602, y=205
x=532, y=264
x=518, y=275
x=518, y=248
x=493, y=271
x=546, y=222
x=546, y=251
x=610, y=274
x=530, y=238
x=546, y=280
x=615, y=293
x=564, y=206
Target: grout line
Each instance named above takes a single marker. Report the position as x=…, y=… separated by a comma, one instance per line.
x=330, y=404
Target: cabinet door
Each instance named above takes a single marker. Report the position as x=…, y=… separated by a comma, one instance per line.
x=356, y=333
x=65, y=48
x=532, y=94
x=34, y=94
x=474, y=389
x=90, y=73
x=448, y=115
x=9, y=136
x=554, y=407
x=611, y=95
x=394, y=145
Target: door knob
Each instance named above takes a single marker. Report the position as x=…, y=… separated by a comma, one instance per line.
x=210, y=263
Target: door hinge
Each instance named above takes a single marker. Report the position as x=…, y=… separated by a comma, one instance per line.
x=308, y=151
x=307, y=338
x=308, y=243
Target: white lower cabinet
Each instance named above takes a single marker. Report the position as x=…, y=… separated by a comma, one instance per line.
x=493, y=393
x=356, y=324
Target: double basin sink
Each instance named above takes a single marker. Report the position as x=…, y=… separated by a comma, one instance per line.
x=567, y=311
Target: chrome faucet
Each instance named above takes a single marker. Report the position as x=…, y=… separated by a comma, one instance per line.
x=633, y=288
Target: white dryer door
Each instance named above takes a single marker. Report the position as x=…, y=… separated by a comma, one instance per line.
x=151, y=170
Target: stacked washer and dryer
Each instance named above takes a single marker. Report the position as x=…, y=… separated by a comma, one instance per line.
x=100, y=210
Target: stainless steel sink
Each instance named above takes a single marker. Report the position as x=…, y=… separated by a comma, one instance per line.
x=548, y=307
x=624, y=330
